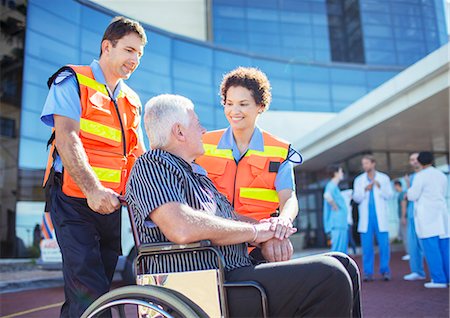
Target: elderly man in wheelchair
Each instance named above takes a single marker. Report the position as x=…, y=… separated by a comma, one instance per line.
x=190, y=236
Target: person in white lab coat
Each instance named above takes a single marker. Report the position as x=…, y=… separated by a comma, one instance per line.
x=371, y=190
x=431, y=219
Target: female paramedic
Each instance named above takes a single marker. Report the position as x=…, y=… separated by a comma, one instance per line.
x=251, y=167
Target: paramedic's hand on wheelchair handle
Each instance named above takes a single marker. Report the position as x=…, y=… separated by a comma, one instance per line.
x=103, y=200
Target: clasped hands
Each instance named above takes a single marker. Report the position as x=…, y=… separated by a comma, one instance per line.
x=277, y=247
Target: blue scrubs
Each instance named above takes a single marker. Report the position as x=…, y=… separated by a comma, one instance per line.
x=414, y=244
x=436, y=252
x=367, y=242
x=335, y=222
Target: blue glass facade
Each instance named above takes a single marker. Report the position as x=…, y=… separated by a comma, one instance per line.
x=173, y=64
x=392, y=32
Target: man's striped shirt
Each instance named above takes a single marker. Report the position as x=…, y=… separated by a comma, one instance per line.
x=159, y=177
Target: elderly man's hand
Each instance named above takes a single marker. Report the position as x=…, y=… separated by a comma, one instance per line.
x=276, y=250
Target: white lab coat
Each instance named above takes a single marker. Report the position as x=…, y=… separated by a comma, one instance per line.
x=431, y=213
x=381, y=196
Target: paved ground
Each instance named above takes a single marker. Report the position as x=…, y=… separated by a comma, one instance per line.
x=397, y=298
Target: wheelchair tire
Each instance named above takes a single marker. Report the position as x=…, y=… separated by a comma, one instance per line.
x=172, y=302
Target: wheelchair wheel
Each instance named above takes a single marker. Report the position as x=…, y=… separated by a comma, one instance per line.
x=153, y=301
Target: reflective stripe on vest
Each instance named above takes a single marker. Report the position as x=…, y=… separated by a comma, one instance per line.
x=92, y=83
x=259, y=194
x=107, y=175
x=269, y=151
x=100, y=130
x=211, y=150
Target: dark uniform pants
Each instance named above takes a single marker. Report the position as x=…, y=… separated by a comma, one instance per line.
x=326, y=285
x=90, y=245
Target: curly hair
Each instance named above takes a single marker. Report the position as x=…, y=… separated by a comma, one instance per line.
x=251, y=78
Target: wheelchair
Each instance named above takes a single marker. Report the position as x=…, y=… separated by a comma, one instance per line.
x=190, y=294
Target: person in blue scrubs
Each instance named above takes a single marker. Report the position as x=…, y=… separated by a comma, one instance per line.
x=335, y=211
x=372, y=190
x=414, y=245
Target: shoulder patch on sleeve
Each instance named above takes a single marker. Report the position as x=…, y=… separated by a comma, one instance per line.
x=62, y=76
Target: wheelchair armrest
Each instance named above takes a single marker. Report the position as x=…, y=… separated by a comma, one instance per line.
x=258, y=287
x=169, y=246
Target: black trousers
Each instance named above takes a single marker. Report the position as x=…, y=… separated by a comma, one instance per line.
x=326, y=285
x=90, y=245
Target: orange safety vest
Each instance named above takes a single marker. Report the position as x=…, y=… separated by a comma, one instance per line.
x=249, y=184
x=108, y=132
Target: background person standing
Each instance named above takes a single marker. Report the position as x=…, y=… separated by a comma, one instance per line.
x=431, y=219
x=414, y=245
x=372, y=190
x=96, y=119
x=401, y=207
x=335, y=211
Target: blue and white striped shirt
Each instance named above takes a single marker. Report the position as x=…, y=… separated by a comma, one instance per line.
x=159, y=177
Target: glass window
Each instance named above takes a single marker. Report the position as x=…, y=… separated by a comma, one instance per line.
x=311, y=105
x=58, y=7
x=144, y=81
x=31, y=127
x=263, y=26
x=377, y=31
x=228, y=11
x=294, y=5
x=262, y=14
x=312, y=73
x=409, y=34
x=379, y=43
x=376, y=78
x=195, y=92
x=33, y=97
x=155, y=62
x=381, y=57
x=319, y=19
x=93, y=19
x=297, y=41
x=294, y=17
x=348, y=76
x=37, y=71
x=228, y=61
x=191, y=72
x=39, y=158
x=405, y=45
x=158, y=43
x=90, y=42
x=281, y=87
x=300, y=29
x=280, y=103
x=65, y=31
x=314, y=91
x=408, y=58
x=192, y=53
x=228, y=24
x=409, y=9
x=340, y=105
x=322, y=55
x=347, y=92
x=376, y=18
x=264, y=39
x=48, y=49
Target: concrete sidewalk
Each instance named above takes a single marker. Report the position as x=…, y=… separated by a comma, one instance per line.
x=23, y=274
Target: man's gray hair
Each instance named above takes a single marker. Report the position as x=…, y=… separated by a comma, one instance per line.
x=161, y=113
